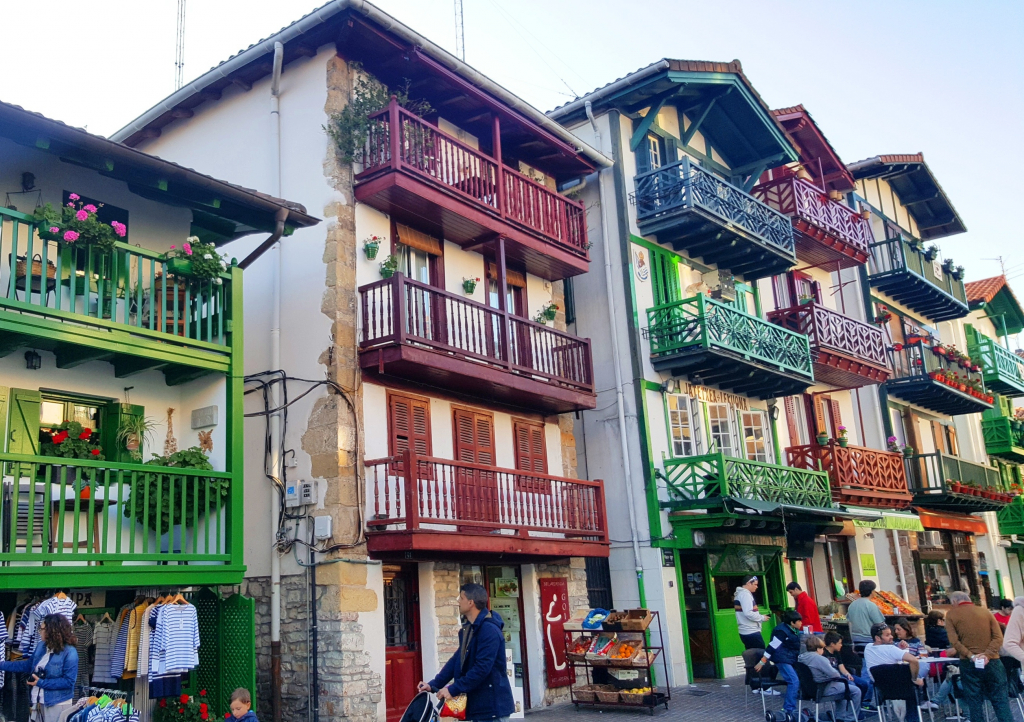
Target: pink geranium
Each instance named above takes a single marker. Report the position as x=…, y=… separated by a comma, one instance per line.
x=119, y=228
x=74, y=196
x=188, y=248
x=70, y=236
x=91, y=208
x=82, y=215
x=54, y=229
x=173, y=247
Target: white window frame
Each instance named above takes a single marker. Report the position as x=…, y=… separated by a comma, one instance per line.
x=749, y=431
x=715, y=439
x=691, y=407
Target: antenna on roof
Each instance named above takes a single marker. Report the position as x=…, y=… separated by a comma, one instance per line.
x=179, y=51
x=460, y=35
x=1002, y=264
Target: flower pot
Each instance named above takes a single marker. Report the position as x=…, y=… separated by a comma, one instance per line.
x=907, y=453
x=955, y=487
x=843, y=441
x=805, y=301
x=386, y=272
x=822, y=440
x=469, y=286
x=371, y=250
x=179, y=266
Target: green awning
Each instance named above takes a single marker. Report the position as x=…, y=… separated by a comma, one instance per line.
x=757, y=506
x=891, y=520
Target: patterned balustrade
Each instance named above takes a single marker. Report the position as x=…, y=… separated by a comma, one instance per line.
x=1011, y=518
x=847, y=352
x=1002, y=370
x=1004, y=438
x=699, y=480
x=943, y=481
x=454, y=497
x=398, y=140
x=828, y=231
x=862, y=476
x=900, y=268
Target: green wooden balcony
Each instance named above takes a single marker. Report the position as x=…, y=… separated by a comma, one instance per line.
x=1004, y=438
x=96, y=523
x=899, y=268
x=1002, y=370
x=1011, y=518
x=126, y=306
x=709, y=480
x=715, y=344
x=941, y=481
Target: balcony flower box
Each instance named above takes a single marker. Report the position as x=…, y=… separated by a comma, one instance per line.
x=956, y=487
x=179, y=266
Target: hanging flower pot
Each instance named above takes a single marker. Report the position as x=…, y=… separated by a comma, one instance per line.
x=908, y=451
x=179, y=266
x=931, y=253
x=370, y=248
x=939, y=350
x=469, y=285
x=388, y=266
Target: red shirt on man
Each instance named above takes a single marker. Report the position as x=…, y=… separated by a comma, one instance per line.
x=808, y=611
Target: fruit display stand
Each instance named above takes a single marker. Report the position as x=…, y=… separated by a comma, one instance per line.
x=892, y=606
x=618, y=665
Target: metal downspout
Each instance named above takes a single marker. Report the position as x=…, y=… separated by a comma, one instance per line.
x=619, y=402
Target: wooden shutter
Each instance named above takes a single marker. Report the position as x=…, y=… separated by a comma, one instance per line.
x=23, y=430
x=939, y=437
x=792, y=420
x=531, y=456
x=643, y=157
x=671, y=154
x=664, y=277
x=837, y=419
x=5, y=395
x=954, y=447
x=113, y=415
x=408, y=425
x=819, y=414
x=474, y=437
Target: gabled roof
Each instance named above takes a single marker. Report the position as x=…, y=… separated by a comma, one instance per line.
x=737, y=120
x=221, y=211
x=918, y=190
x=814, y=147
x=995, y=296
x=394, y=52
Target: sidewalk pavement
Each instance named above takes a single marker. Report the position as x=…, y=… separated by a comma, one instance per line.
x=715, y=700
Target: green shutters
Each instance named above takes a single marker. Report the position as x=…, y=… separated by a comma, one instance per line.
x=665, y=277
x=114, y=414
x=23, y=427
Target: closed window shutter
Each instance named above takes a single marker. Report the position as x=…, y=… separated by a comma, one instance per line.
x=474, y=437
x=792, y=420
x=954, y=447
x=409, y=425
x=23, y=431
x=837, y=420
x=643, y=157
x=938, y=437
x=530, y=452
x=114, y=415
x=671, y=154
x=819, y=414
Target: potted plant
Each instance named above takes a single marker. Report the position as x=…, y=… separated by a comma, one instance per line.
x=908, y=451
x=370, y=247
x=547, y=313
x=882, y=314
x=947, y=265
x=843, y=439
x=917, y=244
x=955, y=486
x=892, y=444
x=69, y=440
x=931, y=253
x=469, y=285
x=212, y=492
x=196, y=259
x=133, y=432
x=865, y=212
x=77, y=222
x=822, y=438
x=957, y=273
x=388, y=266
x=806, y=298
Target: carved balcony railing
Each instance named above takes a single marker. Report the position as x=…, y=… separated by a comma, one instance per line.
x=861, y=476
x=828, y=232
x=1004, y=438
x=923, y=377
x=846, y=352
x=702, y=336
x=694, y=210
x=900, y=268
x=711, y=478
x=402, y=312
x=1011, y=518
x=84, y=519
x=400, y=141
x=1002, y=370
x=454, y=502
x=941, y=481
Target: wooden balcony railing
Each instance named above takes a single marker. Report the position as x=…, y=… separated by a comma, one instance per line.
x=704, y=322
x=834, y=225
x=442, y=495
x=828, y=329
x=398, y=140
x=945, y=481
x=1011, y=518
x=1002, y=370
x=1004, y=437
x=933, y=381
x=127, y=289
x=858, y=475
x=399, y=310
x=697, y=479
x=899, y=268
x=57, y=512
x=683, y=184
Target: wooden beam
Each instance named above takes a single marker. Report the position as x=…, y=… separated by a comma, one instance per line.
x=150, y=132
x=753, y=177
x=68, y=357
x=657, y=103
x=182, y=113
x=125, y=366
x=696, y=123
x=10, y=343
x=915, y=200
x=177, y=375
x=744, y=169
x=458, y=98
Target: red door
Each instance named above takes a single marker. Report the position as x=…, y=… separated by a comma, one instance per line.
x=402, y=661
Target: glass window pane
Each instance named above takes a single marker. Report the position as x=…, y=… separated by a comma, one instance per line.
x=87, y=416
x=837, y=561
x=938, y=580
x=681, y=425
x=755, y=437
x=720, y=418
x=51, y=413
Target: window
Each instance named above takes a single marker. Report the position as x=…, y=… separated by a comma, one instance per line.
x=408, y=425
x=839, y=567
x=757, y=444
x=796, y=421
x=414, y=263
x=419, y=255
x=720, y=430
x=937, y=580
x=684, y=425
x=654, y=151
x=53, y=411
x=474, y=437
x=599, y=583
x=531, y=456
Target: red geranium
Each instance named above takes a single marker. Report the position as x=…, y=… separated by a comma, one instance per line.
x=60, y=437
x=163, y=703
x=84, y=436
x=95, y=452
x=204, y=715
x=183, y=699
x=202, y=693
x=203, y=707
x=181, y=710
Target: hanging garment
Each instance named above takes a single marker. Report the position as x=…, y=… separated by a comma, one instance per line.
x=104, y=635
x=58, y=604
x=175, y=640
x=83, y=640
x=3, y=644
x=120, y=645
x=167, y=685
x=135, y=624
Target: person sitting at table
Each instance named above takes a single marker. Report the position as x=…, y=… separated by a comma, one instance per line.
x=883, y=651
x=845, y=697
x=839, y=656
x=935, y=630
x=906, y=639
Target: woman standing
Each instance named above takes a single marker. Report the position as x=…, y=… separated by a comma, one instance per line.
x=53, y=669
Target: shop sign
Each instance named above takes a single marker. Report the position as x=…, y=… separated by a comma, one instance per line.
x=867, y=565
x=708, y=396
x=506, y=587
x=554, y=605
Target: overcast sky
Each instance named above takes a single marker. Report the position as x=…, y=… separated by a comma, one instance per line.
x=943, y=77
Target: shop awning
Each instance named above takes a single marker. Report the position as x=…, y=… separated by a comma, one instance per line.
x=757, y=506
x=890, y=520
x=952, y=522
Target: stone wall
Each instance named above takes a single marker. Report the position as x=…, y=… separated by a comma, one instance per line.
x=575, y=570
x=446, y=591
x=908, y=544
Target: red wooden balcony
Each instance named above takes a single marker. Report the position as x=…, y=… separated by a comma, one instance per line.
x=454, y=507
x=847, y=353
x=424, y=334
x=420, y=175
x=857, y=475
x=827, y=233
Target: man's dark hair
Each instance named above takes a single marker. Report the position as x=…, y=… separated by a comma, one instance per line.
x=793, y=585
x=1005, y=603
x=832, y=637
x=750, y=578
x=476, y=594
x=877, y=629
x=866, y=587
x=791, y=616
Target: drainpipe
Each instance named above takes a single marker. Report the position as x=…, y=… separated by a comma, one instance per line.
x=899, y=563
x=275, y=419
x=619, y=402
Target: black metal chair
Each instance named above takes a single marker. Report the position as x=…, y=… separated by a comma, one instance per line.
x=893, y=682
x=1014, y=687
x=811, y=691
x=760, y=681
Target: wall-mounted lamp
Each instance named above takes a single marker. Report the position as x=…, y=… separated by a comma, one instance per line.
x=773, y=410
x=33, y=361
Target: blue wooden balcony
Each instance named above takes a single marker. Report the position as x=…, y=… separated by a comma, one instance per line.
x=694, y=211
x=899, y=268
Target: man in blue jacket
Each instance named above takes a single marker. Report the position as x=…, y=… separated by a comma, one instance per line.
x=478, y=668
x=783, y=650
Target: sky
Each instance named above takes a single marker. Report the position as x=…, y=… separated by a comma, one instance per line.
x=942, y=77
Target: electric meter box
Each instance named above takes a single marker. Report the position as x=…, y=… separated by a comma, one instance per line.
x=299, y=493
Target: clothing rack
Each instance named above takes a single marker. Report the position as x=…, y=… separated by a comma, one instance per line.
x=100, y=691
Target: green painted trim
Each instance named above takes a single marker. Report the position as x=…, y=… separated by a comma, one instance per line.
x=650, y=118
x=775, y=437
x=656, y=248
x=681, y=601
x=235, y=429
x=112, y=576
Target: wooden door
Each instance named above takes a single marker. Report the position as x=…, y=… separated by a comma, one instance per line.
x=402, y=661
x=476, y=490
